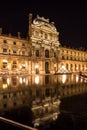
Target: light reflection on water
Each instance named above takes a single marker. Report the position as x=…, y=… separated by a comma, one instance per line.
x=39, y=80
x=41, y=94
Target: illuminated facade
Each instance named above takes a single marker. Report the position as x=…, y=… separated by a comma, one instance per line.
x=73, y=60
x=45, y=46
x=13, y=55
x=40, y=53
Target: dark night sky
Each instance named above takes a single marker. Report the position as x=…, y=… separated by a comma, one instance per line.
x=70, y=18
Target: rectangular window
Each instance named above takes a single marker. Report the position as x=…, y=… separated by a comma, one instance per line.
x=4, y=50
x=14, y=64
x=4, y=64
x=14, y=51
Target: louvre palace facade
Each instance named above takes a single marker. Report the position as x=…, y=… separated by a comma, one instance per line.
x=40, y=53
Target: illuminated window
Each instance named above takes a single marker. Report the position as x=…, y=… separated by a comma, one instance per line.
x=4, y=63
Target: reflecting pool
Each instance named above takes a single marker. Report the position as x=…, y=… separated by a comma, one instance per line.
x=43, y=101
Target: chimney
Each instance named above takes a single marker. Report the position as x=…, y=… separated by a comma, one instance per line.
x=30, y=22
x=19, y=35
x=9, y=34
x=0, y=31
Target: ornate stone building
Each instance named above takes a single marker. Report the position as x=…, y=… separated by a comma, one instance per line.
x=40, y=52
x=45, y=46
x=14, y=54
x=73, y=60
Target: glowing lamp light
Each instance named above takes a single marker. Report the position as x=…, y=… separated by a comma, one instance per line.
x=5, y=86
x=5, y=61
x=63, y=67
x=36, y=66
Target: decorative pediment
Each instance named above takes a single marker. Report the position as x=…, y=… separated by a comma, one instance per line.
x=44, y=24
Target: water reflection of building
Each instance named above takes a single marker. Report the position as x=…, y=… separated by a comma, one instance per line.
x=45, y=106
x=43, y=89
x=43, y=101
x=40, y=52
x=41, y=96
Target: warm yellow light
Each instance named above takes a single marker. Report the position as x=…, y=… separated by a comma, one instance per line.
x=64, y=77
x=5, y=86
x=5, y=61
x=63, y=67
x=8, y=82
x=54, y=65
x=77, y=78
x=37, y=79
x=45, y=105
x=36, y=66
x=22, y=80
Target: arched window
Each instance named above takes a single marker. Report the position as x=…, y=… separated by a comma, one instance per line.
x=45, y=36
x=37, y=53
x=55, y=54
x=47, y=53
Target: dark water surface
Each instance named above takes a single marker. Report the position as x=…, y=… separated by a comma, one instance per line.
x=48, y=102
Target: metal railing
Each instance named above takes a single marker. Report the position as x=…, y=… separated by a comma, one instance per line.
x=7, y=123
